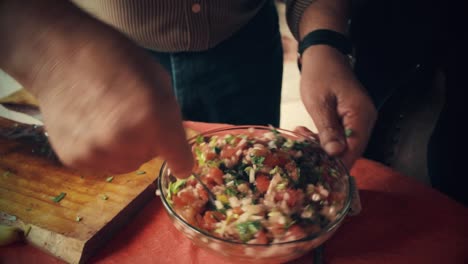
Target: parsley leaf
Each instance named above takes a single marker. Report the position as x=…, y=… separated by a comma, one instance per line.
x=231, y=192
x=59, y=197
x=258, y=160
x=247, y=230
x=201, y=157
x=200, y=139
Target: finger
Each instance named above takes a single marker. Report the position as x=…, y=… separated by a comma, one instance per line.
x=358, y=128
x=172, y=144
x=306, y=132
x=330, y=131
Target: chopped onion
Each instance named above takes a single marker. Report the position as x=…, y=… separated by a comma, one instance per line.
x=252, y=176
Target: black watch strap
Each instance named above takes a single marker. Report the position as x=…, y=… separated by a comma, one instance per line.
x=325, y=37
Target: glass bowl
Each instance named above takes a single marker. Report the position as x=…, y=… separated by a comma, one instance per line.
x=257, y=253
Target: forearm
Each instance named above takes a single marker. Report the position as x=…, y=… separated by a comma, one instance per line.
x=305, y=16
x=37, y=35
x=325, y=14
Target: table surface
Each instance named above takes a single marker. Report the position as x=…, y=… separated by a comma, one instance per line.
x=402, y=221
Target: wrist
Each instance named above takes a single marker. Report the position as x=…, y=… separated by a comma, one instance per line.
x=319, y=53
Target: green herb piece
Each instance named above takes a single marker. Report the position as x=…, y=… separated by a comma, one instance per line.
x=247, y=230
x=217, y=150
x=222, y=210
x=238, y=182
x=334, y=173
x=78, y=218
x=274, y=130
x=174, y=187
x=213, y=141
x=140, y=172
x=348, y=132
x=109, y=179
x=229, y=138
x=11, y=218
x=258, y=160
x=288, y=225
x=214, y=163
x=300, y=145
x=201, y=158
x=59, y=197
x=104, y=197
x=289, y=143
x=276, y=170
x=200, y=139
x=281, y=186
x=7, y=173
x=231, y=192
x=28, y=209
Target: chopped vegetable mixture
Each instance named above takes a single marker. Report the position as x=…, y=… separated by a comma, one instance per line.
x=268, y=188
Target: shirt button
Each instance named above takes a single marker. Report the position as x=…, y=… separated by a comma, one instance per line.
x=196, y=8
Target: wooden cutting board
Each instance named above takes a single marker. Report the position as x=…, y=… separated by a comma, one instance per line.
x=93, y=209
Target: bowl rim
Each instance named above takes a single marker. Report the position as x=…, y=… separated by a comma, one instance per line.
x=328, y=228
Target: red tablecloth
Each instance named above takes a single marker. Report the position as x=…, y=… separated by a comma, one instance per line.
x=402, y=221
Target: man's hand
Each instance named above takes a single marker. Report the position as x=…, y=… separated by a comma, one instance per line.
x=107, y=106
x=337, y=103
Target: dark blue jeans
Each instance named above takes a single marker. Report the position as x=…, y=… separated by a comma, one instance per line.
x=236, y=82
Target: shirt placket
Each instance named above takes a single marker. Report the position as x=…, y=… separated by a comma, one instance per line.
x=198, y=23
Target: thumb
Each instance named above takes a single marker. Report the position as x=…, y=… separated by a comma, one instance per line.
x=330, y=131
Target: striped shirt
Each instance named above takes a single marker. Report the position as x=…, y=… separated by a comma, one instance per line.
x=182, y=25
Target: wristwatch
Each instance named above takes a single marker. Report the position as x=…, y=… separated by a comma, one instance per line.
x=326, y=37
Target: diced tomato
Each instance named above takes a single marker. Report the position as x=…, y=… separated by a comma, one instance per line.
x=228, y=152
x=261, y=152
x=261, y=238
x=211, y=218
x=295, y=196
x=296, y=231
x=274, y=160
x=291, y=168
x=210, y=155
x=202, y=193
x=237, y=210
x=283, y=158
x=199, y=219
x=189, y=214
x=279, y=196
x=271, y=161
x=236, y=141
x=215, y=175
x=262, y=182
x=192, y=182
x=196, y=167
x=183, y=198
